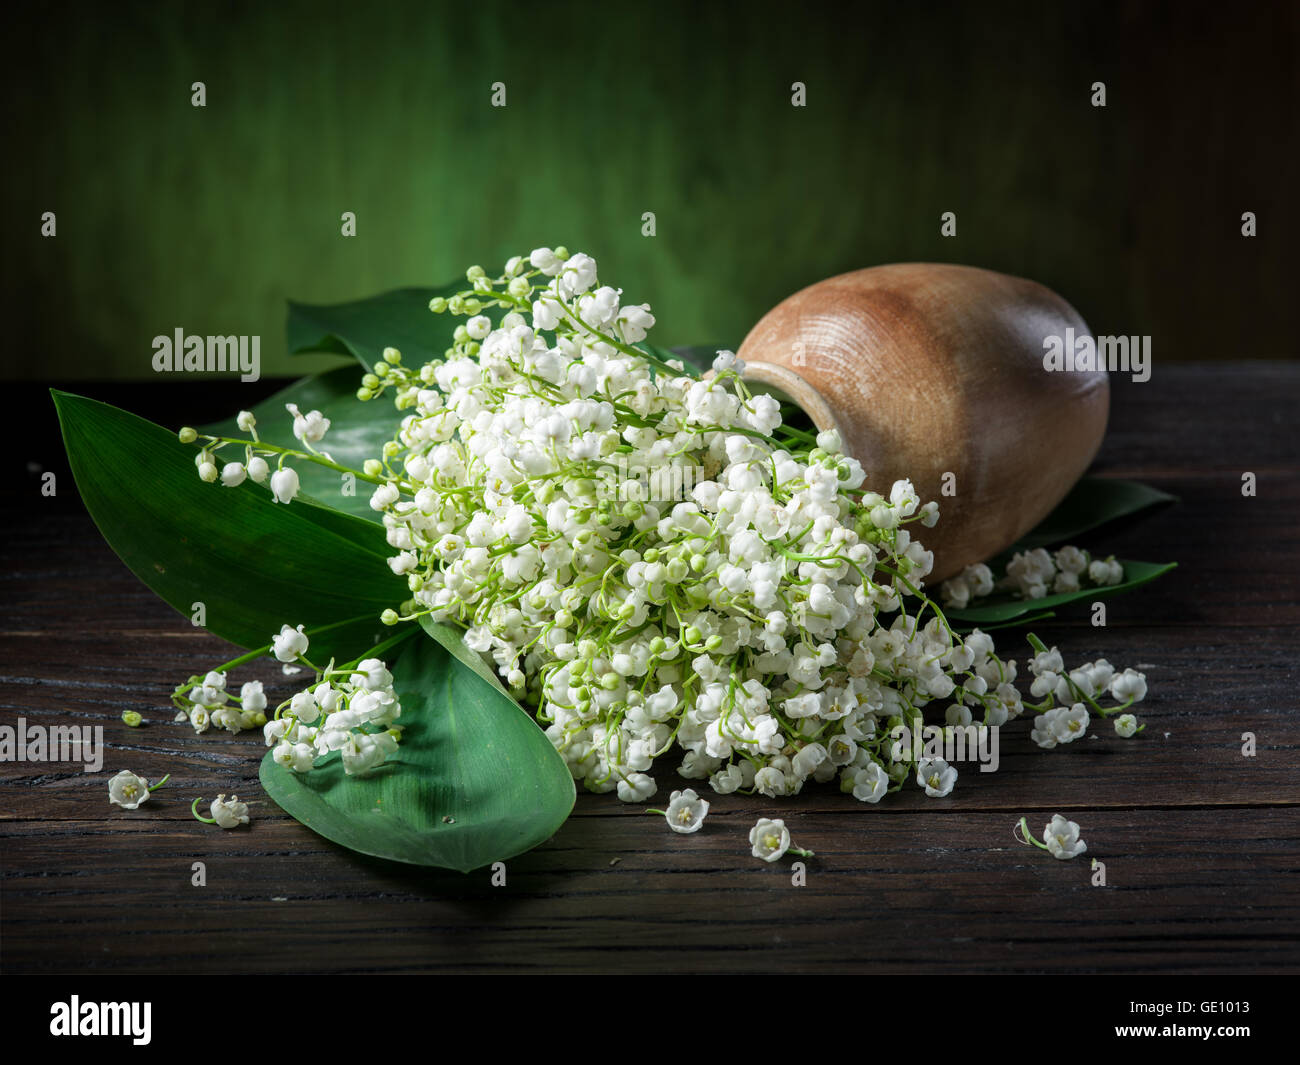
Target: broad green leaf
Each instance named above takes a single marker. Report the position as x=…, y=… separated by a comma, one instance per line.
x=253, y=563
x=997, y=609
x=1014, y=623
x=357, y=432
x=1093, y=502
x=363, y=328
x=454, y=640
x=474, y=781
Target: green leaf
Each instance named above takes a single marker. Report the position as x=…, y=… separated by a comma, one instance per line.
x=453, y=639
x=1015, y=623
x=363, y=328
x=358, y=431
x=474, y=781
x=253, y=563
x=1093, y=502
x=1022, y=611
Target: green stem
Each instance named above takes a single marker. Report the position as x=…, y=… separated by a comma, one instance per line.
x=317, y=458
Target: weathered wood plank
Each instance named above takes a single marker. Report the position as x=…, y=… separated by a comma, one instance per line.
x=1200, y=843
x=1187, y=890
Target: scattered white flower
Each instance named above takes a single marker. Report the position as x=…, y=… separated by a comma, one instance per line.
x=229, y=813
x=1126, y=725
x=1062, y=838
x=128, y=790
x=686, y=811
x=770, y=839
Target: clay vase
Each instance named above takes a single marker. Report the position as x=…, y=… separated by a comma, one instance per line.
x=929, y=369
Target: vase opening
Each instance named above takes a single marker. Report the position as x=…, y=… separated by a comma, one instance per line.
x=802, y=406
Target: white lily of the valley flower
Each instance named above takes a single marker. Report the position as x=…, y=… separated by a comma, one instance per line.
x=252, y=697
x=870, y=784
x=284, y=485
x=1126, y=725
x=229, y=813
x=291, y=644
x=1129, y=685
x=128, y=790
x=936, y=776
x=1062, y=838
x=769, y=839
x=296, y=756
x=636, y=787
x=1069, y=725
x=311, y=427
x=373, y=675
x=1046, y=731
x=686, y=811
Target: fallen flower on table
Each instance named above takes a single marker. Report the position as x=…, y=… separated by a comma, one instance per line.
x=1060, y=837
x=771, y=840
x=686, y=811
x=228, y=813
x=128, y=790
x=1126, y=725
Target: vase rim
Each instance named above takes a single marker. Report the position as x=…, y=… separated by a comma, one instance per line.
x=794, y=387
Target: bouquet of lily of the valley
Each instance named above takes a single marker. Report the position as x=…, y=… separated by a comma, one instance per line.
x=530, y=549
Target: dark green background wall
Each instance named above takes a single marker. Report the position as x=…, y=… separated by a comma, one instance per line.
x=208, y=219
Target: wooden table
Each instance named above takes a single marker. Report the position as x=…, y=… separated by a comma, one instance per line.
x=1199, y=842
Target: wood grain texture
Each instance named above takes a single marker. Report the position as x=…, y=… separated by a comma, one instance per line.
x=1200, y=844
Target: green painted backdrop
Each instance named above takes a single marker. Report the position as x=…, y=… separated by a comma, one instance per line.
x=209, y=218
